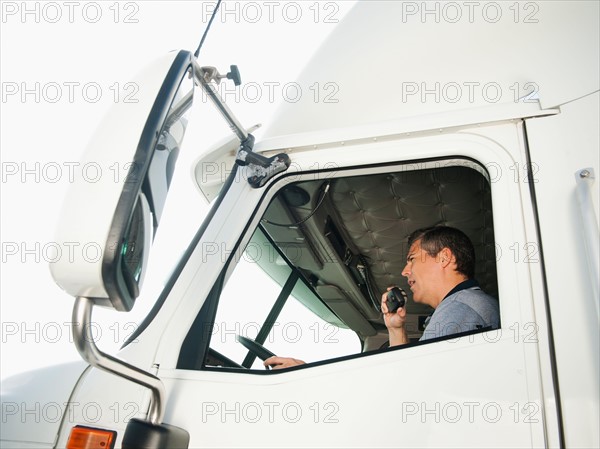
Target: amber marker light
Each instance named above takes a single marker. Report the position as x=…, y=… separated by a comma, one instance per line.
x=89, y=438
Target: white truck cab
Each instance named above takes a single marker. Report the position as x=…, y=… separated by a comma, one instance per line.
x=490, y=129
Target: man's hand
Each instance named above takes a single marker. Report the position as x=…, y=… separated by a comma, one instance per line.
x=394, y=322
x=282, y=362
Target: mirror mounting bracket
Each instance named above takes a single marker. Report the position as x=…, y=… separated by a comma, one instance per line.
x=261, y=168
x=212, y=74
x=84, y=341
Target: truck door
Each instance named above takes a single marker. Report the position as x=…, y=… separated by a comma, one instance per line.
x=298, y=265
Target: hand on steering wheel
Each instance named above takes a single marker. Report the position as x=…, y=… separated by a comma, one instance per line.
x=270, y=359
x=255, y=348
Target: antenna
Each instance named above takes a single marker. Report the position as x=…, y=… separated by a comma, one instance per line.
x=197, y=52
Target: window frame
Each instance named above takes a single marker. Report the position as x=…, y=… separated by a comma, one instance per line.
x=271, y=190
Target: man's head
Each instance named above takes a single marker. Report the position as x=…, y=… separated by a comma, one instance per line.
x=435, y=238
x=438, y=259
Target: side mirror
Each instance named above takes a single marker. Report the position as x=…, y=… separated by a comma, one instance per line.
x=109, y=224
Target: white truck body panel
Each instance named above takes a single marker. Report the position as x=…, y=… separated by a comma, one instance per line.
x=32, y=411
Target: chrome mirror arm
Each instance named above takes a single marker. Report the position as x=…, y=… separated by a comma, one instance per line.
x=84, y=341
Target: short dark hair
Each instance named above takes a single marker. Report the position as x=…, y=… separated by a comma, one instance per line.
x=435, y=238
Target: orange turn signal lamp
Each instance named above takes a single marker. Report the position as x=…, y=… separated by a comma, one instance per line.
x=89, y=438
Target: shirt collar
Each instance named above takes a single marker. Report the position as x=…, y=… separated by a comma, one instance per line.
x=469, y=283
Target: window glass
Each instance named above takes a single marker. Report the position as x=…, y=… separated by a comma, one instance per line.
x=345, y=241
x=249, y=295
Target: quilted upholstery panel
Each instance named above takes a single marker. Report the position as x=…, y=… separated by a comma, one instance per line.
x=378, y=212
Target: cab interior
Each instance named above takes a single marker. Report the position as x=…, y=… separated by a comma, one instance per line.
x=344, y=240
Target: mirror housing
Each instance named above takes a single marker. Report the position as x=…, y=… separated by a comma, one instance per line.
x=107, y=223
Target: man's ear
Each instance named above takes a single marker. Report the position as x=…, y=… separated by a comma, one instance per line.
x=446, y=257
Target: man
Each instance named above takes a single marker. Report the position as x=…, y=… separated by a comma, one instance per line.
x=440, y=266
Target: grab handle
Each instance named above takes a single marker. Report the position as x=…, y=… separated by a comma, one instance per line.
x=585, y=179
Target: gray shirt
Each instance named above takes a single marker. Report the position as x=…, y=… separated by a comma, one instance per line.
x=465, y=310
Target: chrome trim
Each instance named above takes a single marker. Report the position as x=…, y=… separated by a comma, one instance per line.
x=234, y=124
x=585, y=179
x=84, y=342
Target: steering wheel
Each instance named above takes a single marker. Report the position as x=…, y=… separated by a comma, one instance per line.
x=255, y=348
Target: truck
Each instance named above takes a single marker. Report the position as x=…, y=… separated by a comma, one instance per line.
x=481, y=116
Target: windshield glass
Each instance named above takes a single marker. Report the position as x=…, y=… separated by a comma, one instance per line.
x=255, y=301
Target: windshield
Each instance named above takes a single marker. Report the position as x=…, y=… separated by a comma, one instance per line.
x=267, y=300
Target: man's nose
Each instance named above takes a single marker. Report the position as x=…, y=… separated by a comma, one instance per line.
x=406, y=271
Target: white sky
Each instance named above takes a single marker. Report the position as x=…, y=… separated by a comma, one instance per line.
x=62, y=65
